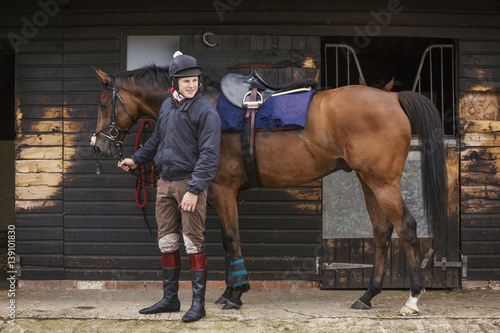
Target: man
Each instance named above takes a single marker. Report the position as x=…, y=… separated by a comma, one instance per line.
x=185, y=148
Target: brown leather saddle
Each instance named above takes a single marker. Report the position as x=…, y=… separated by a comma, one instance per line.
x=237, y=89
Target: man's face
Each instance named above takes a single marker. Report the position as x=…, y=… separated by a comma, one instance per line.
x=188, y=86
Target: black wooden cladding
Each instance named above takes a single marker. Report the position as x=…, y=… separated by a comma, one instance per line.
x=480, y=182
x=110, y=228
x=480, y=232
x=55, y=81
x=102, y=234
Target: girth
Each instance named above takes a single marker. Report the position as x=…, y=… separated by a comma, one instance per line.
x=248, y=141
x=250, y=93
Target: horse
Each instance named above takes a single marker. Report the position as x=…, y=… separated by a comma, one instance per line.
x=351, y=128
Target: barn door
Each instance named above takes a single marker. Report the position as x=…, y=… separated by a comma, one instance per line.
x=348, y=248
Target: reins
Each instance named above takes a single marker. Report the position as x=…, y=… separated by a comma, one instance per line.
x=145, y=131
x=112, y=135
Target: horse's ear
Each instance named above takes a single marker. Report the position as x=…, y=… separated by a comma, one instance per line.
x=362, y=82
x=388, y=86
x=104, y=78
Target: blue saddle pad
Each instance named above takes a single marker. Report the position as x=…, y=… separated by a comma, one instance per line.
x=278, y=112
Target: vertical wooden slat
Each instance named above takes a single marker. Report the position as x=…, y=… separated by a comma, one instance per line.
x=369, y=257
x=285, y=42
x=198, y=43
x=285, y=75
x=397, y=258
x=388, y=265
x=270, y=42
x=342, y=253
x=328, y=277
x=187, y=43
x=256, y=42
x=356, y=276
x=228, y=42
x=424, y=245
x=242, y=42
x=299, y=42
x=453, y=276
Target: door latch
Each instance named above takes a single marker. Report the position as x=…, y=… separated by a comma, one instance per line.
x=444, y=263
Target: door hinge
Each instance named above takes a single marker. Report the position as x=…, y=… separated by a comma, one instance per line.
x=444, y=263
x=427, y=258
x=344, y=265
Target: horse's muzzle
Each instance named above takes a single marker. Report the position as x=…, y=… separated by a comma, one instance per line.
x=104, y=147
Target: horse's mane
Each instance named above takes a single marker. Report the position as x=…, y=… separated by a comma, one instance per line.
x=149, y=75
x=152, y=75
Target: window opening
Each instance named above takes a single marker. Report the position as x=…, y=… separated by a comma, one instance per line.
x=344, y=75
x=145, y=50
x=436, y=74
x=425, y=65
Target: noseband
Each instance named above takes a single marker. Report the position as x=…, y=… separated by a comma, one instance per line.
x=113, y=130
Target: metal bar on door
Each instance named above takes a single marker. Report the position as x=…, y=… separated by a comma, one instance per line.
x=349, y=50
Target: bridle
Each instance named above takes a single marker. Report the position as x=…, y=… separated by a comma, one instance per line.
x=113, y=130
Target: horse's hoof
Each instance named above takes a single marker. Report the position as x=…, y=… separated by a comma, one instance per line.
x=358, y=305
x=232, y=306
x=408, y=312
x=221, y=301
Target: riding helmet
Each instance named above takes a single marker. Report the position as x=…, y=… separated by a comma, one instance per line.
x=183, y=66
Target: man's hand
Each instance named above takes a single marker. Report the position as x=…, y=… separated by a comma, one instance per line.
x=188, y=203
x=127, y=164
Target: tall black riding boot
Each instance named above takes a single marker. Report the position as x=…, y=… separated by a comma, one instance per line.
x=171, y=270
x=199, y=285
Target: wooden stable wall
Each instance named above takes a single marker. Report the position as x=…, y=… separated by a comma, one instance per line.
x=39, y=144
x=480, y=156
x=73, y=224
x=480, y=181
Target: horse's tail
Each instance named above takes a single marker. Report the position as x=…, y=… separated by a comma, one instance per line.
x=425, y=122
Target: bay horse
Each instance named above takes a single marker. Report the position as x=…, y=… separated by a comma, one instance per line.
x=352, y=128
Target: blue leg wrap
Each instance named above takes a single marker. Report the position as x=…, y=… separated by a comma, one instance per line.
x=239, y=272
x=229, y=272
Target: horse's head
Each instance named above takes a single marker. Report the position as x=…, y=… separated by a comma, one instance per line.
x=125, y=97
x=118, y=112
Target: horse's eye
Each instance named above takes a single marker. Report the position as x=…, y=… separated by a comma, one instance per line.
x=104, y=105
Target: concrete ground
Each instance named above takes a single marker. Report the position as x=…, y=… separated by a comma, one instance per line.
x=266, y=310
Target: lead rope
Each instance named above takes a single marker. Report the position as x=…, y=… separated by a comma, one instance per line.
x=145, y=132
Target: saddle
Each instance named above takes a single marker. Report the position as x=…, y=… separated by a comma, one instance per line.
x=237, y=89
x=250, y=93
